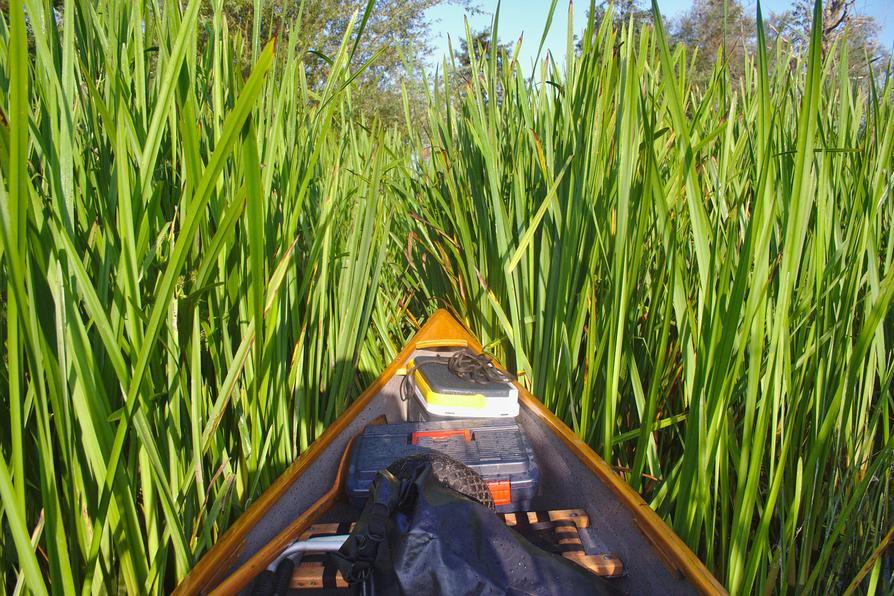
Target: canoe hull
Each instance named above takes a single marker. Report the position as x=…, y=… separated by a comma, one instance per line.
x=655, y=559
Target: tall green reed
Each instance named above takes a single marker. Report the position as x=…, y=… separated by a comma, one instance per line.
x=202, y=266
x=191, y=260
x=698, y=280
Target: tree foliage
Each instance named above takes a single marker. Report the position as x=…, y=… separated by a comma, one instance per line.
x=471, y=58
x=623, y=11
x=842, y=23
x=480, y=47
x=716, y=29
x=724, y=29
x=400, y=27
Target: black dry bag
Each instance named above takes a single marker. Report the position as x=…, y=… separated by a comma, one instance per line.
x=418, y=535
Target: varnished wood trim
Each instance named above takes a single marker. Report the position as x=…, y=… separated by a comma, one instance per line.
x=658, y=532
x=247, y=573
x=441, y=343
x=227, y=565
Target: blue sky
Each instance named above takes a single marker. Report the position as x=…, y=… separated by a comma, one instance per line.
x=529, y=17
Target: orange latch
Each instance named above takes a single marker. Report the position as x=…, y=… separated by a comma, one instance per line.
x=501, y=491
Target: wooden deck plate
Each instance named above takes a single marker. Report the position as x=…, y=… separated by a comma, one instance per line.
x=578, y=516
x=606, y=565
x=315, y=572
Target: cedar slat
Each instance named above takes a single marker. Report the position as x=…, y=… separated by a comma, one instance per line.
x=606, y=565
x=310, y=575
x=565, y=523
x=578, y=516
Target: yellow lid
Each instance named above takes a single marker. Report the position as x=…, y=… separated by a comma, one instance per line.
x=474, y=401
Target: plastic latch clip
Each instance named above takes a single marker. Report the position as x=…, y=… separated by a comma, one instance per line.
x=501, y=491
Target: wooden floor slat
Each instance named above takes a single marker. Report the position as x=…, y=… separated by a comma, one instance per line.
x=578, y=516
x=606, y=565
x=564, y=523
x=313, y=574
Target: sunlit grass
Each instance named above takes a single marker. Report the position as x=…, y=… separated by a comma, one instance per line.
x=201, y=267
x=191, y=257
x=699, y=281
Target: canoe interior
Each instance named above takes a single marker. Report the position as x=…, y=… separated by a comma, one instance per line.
x=566, y=483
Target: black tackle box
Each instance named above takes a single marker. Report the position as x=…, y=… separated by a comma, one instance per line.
x=495, y=448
